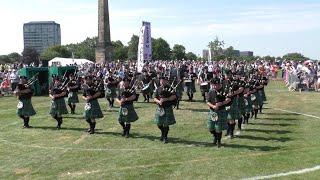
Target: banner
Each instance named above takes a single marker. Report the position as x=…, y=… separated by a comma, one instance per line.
x=145, y=46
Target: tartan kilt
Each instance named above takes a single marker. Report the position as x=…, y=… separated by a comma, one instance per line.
x=241, y=105
x=73, y=97
x=94, y=112
x=113, y=93
x=248, y=108
x=179, y=91
x=132, y=114
x=259, y=98
x=190, y=88
x=58, y=107
x=27, y=109
x=220, y=124
x=234, y=112
x=167, y=119
x=263, y=95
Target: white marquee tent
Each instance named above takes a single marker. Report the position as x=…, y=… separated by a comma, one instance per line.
x=68, y=61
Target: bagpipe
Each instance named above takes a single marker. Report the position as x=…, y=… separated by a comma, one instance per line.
x=108, y=84
x=127, y=93
x=167, y=92
x=21, y=87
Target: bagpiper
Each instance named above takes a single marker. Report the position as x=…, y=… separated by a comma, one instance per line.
x=110, y=85
x=91, y=93
x=127, y=113
x=58, y=104
x=164, y=116
x=217, y=117
x=73, y=87
x=24, y=93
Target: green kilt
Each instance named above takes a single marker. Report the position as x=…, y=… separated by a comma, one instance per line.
x=73, y=97
x=248, y=106
x=130, y=117
x=168, y=117
x=234, y=113
x=259, y=98
x=220, y=124
x=94, y=112
x=263, y=95
x=111, y=92
x=241, y=105
x=58, y=107
x=27, y=108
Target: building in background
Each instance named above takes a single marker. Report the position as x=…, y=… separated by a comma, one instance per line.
x=41, y=34
x=205, y=54
x=246, y=53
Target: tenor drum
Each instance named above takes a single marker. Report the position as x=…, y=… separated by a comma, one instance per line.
x=204, y=86
x=188, y=82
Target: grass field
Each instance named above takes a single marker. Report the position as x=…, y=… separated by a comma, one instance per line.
x=279, y=141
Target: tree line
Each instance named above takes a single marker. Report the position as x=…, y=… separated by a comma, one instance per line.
x=161, y=50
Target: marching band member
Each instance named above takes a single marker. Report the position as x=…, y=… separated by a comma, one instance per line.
x=24, y=107
x=248, y=103
x=127, y=114
x=233, y=108
x=110, y=85
x=147, y=83
x=217, y=117
x=58, y=104
x=190, y=86
x=205, y=76
x=73, y=88
x=92, y=108
x=164, y=116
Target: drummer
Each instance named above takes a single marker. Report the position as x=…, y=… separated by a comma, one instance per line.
x=147, y=82
x=204, y=77
x=189, y=82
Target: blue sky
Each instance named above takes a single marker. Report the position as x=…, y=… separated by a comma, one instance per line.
x=269, y=27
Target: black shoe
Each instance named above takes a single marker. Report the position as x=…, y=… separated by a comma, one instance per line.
x=91, y=131
x=165, y=141
x=215, y=141
x=58, y=127
x=161, y=138
x=124, y=132
x=219, y=144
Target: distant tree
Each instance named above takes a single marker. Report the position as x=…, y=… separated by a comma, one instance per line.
x=230, y=53
x=30, y=55
x=216, y=47
x=269, y=58
x=294, y=57
x=120, y=51
x=133, y=47
x=191, y=56
x=14, y=57
x=56, y=51
x=160, y=49
x=178, y=52
x=85, y=49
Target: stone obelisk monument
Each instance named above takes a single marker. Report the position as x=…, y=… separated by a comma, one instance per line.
x=104, y=47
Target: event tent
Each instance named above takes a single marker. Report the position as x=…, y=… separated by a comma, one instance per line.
x=68, y=61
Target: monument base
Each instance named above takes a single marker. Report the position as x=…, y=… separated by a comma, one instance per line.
x=103, y=55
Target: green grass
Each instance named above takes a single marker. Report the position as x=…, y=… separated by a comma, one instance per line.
x=276, y=142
